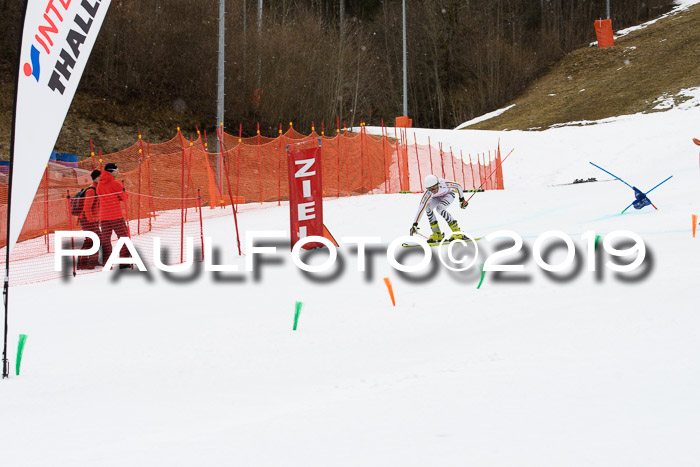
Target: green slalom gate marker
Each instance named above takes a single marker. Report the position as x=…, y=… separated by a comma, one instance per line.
x=20, y=349
x=296, y=315
x=483, y=273
x=597, y=239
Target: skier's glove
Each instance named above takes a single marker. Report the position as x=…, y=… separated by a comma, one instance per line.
x=463, y=203
x=414, y=228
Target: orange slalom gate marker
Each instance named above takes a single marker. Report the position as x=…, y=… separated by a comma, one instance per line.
x=391, y=290
x=695, y=223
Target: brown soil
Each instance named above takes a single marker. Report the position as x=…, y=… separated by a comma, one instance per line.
x=593, y=83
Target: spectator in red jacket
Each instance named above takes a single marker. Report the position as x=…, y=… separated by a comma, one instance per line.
x=111, y=194
x=90, y=220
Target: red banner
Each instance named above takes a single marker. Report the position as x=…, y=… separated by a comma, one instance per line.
x=305, y=191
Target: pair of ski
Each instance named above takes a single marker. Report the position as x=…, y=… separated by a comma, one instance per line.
x=641, y=199
x=444, y=242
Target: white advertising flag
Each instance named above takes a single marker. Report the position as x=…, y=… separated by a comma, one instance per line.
x=57, y=39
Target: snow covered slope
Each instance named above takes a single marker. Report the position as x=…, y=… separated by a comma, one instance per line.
x=583, y=369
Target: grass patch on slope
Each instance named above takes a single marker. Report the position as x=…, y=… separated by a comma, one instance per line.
x=593, y=83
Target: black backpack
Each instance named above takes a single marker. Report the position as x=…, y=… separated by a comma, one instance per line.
x=77, y=201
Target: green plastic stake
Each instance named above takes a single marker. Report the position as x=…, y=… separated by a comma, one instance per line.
x=483, y=273
x=296, y=315
x=597, y=239
x=20, y=349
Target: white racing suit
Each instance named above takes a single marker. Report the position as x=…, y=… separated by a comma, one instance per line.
x=438, y=201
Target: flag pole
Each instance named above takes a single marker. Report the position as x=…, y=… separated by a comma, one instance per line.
x=6, y=283
x=489, y=176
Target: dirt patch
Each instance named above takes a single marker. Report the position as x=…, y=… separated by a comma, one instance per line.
x=594, y=83
x=110, y=125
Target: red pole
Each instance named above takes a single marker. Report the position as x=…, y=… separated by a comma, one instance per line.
x=452, y=161
x=150, y=191
x=138, y=207
x=442, y=161
x=189, y=179
x=259, y=165
x=182, y=197
x=398, y=159
x=461, y=161
x=126, y=208
x=362, y=163
x=385, y=138
x=100, y=152
x=233, y=207
x=471, y=166
x=478, y=166
x=347, y=162
x=201, y=224
x=384, y=157
x=420, y=177
x=430, y=156
x=363, y=132
x=70, y=223
x=337, y=136
x=92, y=154
x=404, y=138
x=46, y=209
x=279, y=167
x=238, y=162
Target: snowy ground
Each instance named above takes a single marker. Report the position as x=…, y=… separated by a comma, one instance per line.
x=146, y=369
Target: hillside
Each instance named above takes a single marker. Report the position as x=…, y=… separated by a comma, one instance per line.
x=620, y=80
x=645, y=67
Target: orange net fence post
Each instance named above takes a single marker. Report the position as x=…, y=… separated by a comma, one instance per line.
x=386, y=178
x=279, y=167
x=138, y=213
x=471, y=166
x=46, y=206
x=480, y=172
x=92, y=155
x=430, y=156
x=499, y=169
x=442, y=161
x=337, y=135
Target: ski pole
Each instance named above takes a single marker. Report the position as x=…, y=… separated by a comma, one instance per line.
x=489, y=175
x=623, y=211
x=612, y=174
x=418, y=233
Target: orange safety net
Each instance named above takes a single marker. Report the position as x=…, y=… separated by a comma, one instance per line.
x=168, y=182
x=353, y=163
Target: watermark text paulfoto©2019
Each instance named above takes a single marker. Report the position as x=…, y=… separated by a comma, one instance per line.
x=461, y=255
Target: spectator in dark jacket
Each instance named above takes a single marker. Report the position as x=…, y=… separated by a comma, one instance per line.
x=111, y=194
x=90, y=220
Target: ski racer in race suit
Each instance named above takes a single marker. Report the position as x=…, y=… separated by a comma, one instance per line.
x=438, y=195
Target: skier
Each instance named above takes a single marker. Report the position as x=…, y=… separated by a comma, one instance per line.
x=439, y=193
x=641, y=199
